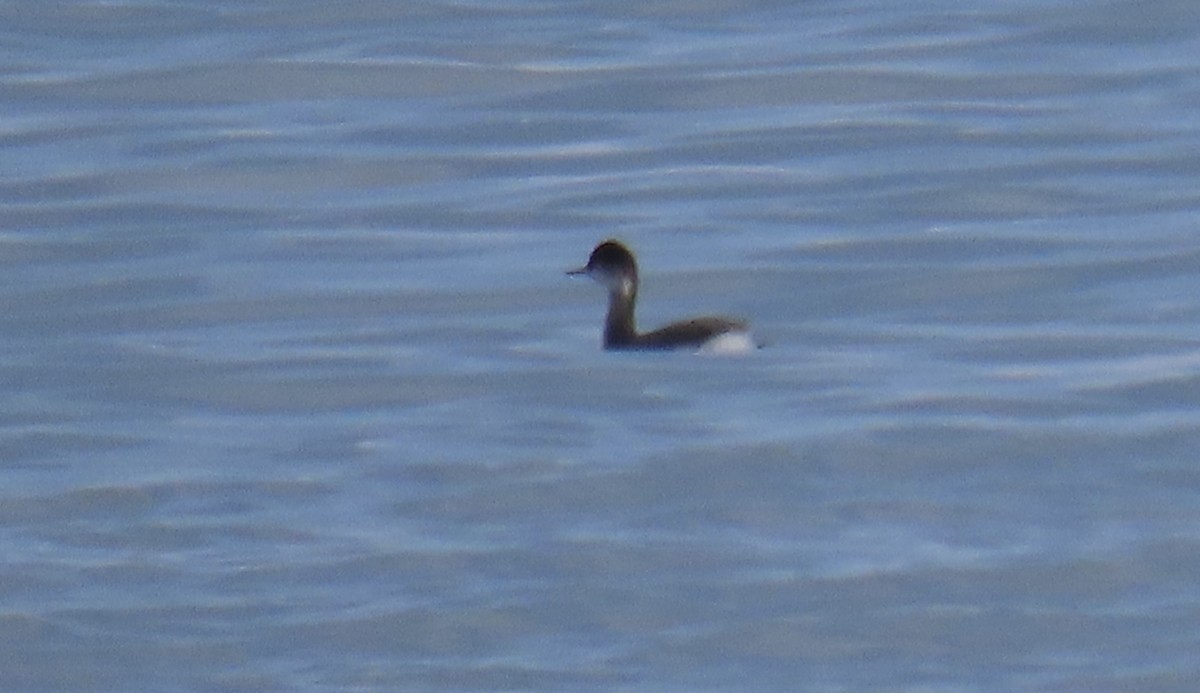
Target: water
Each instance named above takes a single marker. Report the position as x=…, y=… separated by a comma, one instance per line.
x=299, y=399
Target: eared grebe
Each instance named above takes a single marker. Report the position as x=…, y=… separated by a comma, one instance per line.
x=612, y=265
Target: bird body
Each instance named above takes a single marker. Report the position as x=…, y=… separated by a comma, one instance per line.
x=613, y=265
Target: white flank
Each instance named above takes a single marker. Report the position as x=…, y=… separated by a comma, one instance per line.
x=728, y=343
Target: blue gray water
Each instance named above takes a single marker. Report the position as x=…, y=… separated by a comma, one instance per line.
x=297, y=397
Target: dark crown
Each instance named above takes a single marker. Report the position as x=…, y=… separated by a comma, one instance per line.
x=612, y=256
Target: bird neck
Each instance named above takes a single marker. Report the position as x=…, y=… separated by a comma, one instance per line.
x=619, y=326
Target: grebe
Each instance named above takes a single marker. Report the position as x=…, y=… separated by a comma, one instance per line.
x=613, y=265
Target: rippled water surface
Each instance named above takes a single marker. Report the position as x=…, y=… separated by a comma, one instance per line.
x=299, y=399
